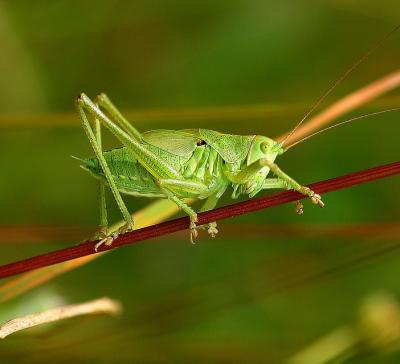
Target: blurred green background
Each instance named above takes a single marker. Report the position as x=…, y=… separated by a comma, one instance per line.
x=272, y=282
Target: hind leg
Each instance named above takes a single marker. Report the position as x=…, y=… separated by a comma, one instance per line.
x=98, y=152
x=103, y=101
x=103, y=231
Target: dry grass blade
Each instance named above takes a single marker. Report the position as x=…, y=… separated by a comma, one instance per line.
x=346, y=104
x=100, y=306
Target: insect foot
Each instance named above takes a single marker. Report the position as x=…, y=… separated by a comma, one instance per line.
x=299, y=208
x=100, y=234
x=108, y=239
x=193, y=229
x=211, y=228
x=316, y=199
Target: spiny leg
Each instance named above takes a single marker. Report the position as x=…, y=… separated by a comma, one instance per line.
x=103, y=101
x=196, y=188
x=104, y=237
x=273, y=183
x=183, y=186
x=208, y=205
x=245, y=174
x=102, y=192
x=110, y=180
x=183, y=206
x=169, y=186
x=315, y=198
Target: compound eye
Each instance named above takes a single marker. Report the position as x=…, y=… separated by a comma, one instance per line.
x=264, y=147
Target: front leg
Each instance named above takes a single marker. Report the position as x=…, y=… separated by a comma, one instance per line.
x=315, y=198
x=273, y=183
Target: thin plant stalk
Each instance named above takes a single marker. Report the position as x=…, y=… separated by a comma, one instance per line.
x=221, y=213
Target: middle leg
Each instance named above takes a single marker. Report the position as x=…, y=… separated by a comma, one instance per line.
x=170, y=187
x=186, y=208
x=208, y=205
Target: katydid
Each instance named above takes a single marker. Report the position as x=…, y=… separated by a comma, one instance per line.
x=198, y=164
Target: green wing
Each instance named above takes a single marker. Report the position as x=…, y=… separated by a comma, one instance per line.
x=178, y=142
x=232, y=148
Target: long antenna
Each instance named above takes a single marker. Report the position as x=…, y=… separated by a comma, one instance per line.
x=342, y=123
x=341, y=78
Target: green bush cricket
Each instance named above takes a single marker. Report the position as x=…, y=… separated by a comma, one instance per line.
x=198, y=164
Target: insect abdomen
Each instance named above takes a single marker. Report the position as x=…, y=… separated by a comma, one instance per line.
x=129, y=176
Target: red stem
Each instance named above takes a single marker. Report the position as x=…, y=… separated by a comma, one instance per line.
x=182, y=223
